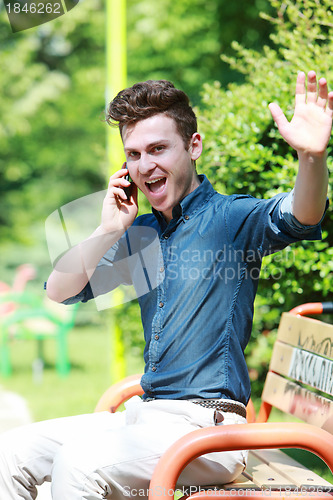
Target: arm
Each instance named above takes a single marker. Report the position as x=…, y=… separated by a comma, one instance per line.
x=308, y=133
x=74, y=269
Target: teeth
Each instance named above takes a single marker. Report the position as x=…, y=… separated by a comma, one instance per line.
x=154, y=180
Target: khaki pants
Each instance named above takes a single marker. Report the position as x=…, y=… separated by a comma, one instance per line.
x=103, y=455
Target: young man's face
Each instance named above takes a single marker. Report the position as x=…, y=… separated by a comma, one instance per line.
x=158, y=162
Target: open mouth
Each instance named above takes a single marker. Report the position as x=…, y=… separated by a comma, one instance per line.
x=156, y=185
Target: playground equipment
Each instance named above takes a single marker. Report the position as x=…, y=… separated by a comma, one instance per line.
x=34, y=319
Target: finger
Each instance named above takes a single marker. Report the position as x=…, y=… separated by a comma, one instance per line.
x=322, y=93
x=300, y=95
x=312, y=87
x=329, y=109
x=120, y=173
x=118, y=181
x=117, y=185
x=117, y=192
x=115, y=189
x=278, y=115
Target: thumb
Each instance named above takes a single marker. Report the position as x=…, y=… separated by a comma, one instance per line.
x=278, y=115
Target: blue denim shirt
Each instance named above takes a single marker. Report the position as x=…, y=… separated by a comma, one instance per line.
x=199, y=287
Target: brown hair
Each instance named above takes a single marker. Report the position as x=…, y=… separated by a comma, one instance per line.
x=149, y=98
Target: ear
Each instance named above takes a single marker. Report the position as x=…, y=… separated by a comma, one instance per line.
x=195, y=148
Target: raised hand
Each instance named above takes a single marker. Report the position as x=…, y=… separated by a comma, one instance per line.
x=310, y=128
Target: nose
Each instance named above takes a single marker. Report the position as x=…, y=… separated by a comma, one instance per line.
x=146, y=164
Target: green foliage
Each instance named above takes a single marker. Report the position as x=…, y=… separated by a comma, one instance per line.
x=52, y=102
x=52, y=133
x=52, y=137
x=244, y=152
x=51, y=147
x=182, y=41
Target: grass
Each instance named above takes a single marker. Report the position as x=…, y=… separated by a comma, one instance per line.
x=90, y=376
x=54, y=396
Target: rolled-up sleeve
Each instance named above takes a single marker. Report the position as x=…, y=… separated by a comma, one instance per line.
x=132, y=261
x=293, y=226
x=266, y=226
x=111, y=271
x=85, y=295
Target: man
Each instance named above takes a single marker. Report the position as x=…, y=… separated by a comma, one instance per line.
x=198, y=304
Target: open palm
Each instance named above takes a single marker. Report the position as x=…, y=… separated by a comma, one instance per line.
x=310, y=128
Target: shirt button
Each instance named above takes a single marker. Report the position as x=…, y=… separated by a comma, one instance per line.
x=153, y=369
x=166, y=236
x=161, y=304
x=157, y=337
x=162, y=269
x=186, y=217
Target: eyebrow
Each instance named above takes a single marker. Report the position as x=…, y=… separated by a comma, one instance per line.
x=151, y=145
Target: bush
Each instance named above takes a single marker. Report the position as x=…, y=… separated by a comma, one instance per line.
x=245, y=153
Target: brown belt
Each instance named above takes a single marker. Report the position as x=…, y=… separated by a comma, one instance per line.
x=222, y=405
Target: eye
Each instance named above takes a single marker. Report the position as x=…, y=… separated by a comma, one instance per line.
x=133, y=155
x=157, y=149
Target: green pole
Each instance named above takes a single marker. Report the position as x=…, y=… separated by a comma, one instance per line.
x=116, y=79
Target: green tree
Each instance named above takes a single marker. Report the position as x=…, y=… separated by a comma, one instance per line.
x=52, y=101
x=52, y=135
x=244, y=152
x=182, y=41
x=53, y=79
x=51, y=113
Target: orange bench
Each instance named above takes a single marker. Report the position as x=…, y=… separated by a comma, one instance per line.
x=300, y=383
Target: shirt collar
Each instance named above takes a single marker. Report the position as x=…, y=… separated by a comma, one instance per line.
x=192, y=202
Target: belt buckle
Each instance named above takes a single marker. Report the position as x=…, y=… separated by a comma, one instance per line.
x=218, y=417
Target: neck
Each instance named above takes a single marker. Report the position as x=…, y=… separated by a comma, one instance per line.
x=194, y=185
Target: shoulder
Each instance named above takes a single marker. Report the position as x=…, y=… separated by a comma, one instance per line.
x=245, y=202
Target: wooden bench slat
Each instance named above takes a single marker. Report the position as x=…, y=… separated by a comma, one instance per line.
x=265, y=477
x=292, y=470
x=303, y=366
x=298, y=401
x=307, y=333
x=241, y=483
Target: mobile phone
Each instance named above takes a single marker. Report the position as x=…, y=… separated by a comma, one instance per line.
x=128, y=190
